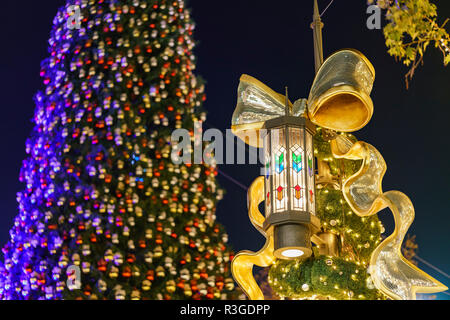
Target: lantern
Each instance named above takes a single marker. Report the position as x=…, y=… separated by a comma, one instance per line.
x=289, y=185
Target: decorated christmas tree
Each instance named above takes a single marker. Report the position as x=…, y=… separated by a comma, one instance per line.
x=101, y=191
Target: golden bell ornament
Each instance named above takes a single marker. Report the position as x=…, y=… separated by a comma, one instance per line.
x=86, y=267
x=109, y=255
x=146, y=285
x=136, y=272
x=171, y=286
x=187, y=290
x=196, y=274
x=135, y=295
x=114, y=272
x=160, y=272
x=340, y=95
x=76, y=259
x=158, y=252
x=185, y=274
x=202, y=289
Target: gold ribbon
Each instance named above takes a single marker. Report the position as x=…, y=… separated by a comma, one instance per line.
x=339, y=100
x=391, y=272
x=243, y=262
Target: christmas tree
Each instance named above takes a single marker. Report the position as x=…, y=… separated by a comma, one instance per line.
x=102, y=193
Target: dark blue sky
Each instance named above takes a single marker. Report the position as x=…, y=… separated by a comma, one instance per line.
x=272, y=41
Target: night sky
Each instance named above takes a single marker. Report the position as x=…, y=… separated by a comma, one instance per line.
x=272, y=41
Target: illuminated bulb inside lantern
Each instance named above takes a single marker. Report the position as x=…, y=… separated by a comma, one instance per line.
x=292, y=253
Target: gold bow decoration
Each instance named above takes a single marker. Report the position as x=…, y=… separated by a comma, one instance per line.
x=391, y=272
x=256, y=104
x=339, y=100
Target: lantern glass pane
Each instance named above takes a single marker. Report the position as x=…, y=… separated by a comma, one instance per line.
x=310, y=174
x=279, y=170
x=297, y=169
x=267, y=175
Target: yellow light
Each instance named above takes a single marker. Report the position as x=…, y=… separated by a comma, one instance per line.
x=292, y=253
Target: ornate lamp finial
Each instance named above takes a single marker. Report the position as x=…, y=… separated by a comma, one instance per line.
x=288, y=112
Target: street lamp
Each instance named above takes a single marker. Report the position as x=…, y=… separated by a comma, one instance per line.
x=289, y=184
